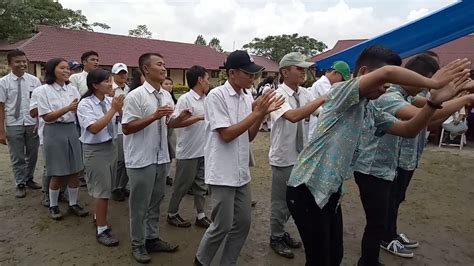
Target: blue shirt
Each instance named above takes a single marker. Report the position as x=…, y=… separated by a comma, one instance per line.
x=88, y=112
x=325, y=162
x=377, y=154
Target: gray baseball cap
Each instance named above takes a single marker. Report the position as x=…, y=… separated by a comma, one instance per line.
x=295, y=59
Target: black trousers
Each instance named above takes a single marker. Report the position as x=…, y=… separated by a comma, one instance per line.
x=396, y=197
x=320, y=229
x=374, y=194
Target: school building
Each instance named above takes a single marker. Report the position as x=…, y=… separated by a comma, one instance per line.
x=50, y=42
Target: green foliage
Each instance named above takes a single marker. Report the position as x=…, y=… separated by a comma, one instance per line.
x=222, y=76
x=216, y=44
x=275, y=47
x=18, y=19
x=200, y=40
x=180, y=89
x=141, y=31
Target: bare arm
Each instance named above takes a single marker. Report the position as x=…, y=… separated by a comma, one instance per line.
x=139, y=124
x=34, y=112
x=3, y=136
x=295, y=115
x=175, y=123
x=232, y=132
x=54, y=115
x=411, y=128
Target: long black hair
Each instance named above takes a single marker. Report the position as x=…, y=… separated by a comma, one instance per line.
x=49, y=70
x=136, y=79
x=94, y=77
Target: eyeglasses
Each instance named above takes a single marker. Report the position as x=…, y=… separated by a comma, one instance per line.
x=251, y=75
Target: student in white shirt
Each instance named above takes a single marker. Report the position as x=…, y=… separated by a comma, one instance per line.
x=147, y=110
x=190, y=149
x=287, y=140
x=90, y=61
x=339, y=71
x=57, y=104
x=96, y=113
x=167, y=85
x=120, y=87
x=17, y=127
x=232, y=122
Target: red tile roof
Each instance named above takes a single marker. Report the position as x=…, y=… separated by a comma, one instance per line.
x=52, y=42
x=460, y=48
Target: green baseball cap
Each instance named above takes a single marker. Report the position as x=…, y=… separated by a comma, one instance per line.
x=343, y=69
x=295, y=59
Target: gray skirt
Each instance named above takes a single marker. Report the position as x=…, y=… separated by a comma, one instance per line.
x=62, y=149
x=100, y=161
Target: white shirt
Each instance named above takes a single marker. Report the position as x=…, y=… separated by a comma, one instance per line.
x=54, y=97
x=226, y=164
x=88, y=112
x=141, y=148
x=118, y=119
x=79, y=80
x=34, y=105
x=9, y=95
x=190, y=139
x=283, y=135
x=320, y=88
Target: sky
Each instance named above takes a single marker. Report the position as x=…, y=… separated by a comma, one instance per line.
x=237, y=22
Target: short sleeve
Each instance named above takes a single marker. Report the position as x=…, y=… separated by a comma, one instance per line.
x=382, y=120
x=343, y=96
x=3, y=90
x=182, y=104
x=131, y=109
x=37, y=82
x=34, y=99
x=43, y=104
x=275, y=115
x=86, y=114
x=216, y=111
x=391, y=103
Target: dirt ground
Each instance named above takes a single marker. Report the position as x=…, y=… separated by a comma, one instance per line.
x=438, y=213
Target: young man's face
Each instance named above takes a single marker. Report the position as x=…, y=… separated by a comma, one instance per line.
x=334, y=76
x=121, y=77
x=91, y=63
x=155, y=69
x=242, y=79
x=18, y=65
x=294, y=75
x=204, y=83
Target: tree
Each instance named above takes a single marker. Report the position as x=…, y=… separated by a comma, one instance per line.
x=216, y=44
x=275, y=47
x=200, y=40
x=141, y=31
x=19, y=18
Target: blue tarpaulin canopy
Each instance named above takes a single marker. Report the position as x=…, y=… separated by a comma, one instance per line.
x=448, y=24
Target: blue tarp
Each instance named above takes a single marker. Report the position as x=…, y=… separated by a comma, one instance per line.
x=451, y=23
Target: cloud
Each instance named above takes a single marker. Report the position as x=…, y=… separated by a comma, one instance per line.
x=236, y=22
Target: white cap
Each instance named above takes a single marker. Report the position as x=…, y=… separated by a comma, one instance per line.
x=119, y=67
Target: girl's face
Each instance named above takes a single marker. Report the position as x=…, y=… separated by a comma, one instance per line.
x=105, y=87
x=61, y=72
x=167, y=85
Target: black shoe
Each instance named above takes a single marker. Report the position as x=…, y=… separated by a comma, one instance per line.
x=78, y=210
x=106, y=239
x=20, y=191
x=94, y=221
x=32, y=184
x=45, y=200
x=281, y=248
x=169, y=181
x=158, y=245
x=126, y=192
x=177, y=221
x=55, y=213
x=291, y=242
x=118, y=195
x=196, y=262
x=140, y=254
x=204, y=222
x=361, y=263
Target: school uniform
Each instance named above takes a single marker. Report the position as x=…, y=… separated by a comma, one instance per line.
x=189, y=155
x=121, y=180
x=79, y=81
x=100, y=151
x=146, y=158
x=34, y=105
x=287, y=140
x=314, y=187
x=227, y=174
x=15, y=93
x=375, y=168
x=62, y=148
x=320, y=88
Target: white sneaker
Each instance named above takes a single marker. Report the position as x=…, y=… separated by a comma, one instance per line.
x=396, y=248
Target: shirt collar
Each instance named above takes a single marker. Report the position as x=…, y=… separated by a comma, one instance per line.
x=15, y=77
x=325, y=79
x=150, y=88
x=195, y=94
x=95, y=99
x=229, y=88
x=287, y=89
x=58, y=87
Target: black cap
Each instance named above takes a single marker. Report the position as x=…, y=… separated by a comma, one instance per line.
x=242, y=60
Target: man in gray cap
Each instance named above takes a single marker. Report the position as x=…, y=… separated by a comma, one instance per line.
x=287, y=138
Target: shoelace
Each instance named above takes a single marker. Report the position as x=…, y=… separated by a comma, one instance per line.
x=404, y=238
x=396, y=245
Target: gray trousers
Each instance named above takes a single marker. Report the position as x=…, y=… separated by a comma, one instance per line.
x=122, y=177
x=231, y=216
x=23, y=148
x=189, y=174
x=147, y=190
x=279, y=214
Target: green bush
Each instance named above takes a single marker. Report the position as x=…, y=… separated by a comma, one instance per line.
x=180, y=89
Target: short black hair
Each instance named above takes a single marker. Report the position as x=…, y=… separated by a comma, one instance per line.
x=376, y=56
x=193, y=75
x=431, y=53
x=87, y=54
x=96, y=76
x=14, y=53
x=136, y=79
x=168, y=78
x=144, y=60
x=49, y=70
x=423, y=64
